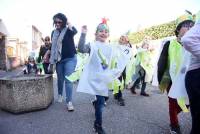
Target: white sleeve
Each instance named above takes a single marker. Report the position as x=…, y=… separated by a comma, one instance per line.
x=191, y=40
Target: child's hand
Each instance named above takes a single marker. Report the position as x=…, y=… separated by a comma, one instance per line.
x=84, y=29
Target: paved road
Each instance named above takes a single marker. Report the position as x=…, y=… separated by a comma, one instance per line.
x=141, y=115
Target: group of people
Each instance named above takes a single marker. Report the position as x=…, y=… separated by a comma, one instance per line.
x=109, y=59
x=107, y=66
x=34, y=66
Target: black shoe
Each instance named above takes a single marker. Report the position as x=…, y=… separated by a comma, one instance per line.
x=116, y=96
x=106, y=98
x=121, y=102
x=133, y=91
x=93, y=103
x=175, y=129
x=144, y=94
x=98, y=129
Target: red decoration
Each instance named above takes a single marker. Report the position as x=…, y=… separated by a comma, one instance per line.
x=105, y=20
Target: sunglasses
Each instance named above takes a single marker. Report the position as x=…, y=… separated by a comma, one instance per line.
x=47, y=40
x=58, y=22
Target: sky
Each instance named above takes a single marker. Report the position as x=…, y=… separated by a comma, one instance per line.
x=123, y=15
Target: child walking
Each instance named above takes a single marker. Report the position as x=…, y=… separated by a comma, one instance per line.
x=96, y=74
x=117, y=90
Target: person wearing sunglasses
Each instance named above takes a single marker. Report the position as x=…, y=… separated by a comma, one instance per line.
x=63, y=56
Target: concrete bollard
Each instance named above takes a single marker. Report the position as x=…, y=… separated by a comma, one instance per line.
x=26, y=93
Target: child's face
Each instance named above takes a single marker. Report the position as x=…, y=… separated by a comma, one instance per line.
x=123, y=40
x=184, y=29
x=47, y=41
x=102, y=35
x=145, y=45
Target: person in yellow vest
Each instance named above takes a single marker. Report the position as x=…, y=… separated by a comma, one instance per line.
x=169, y=64
x=144, y=67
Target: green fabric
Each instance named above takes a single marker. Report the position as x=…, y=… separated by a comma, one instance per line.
x=102, y=57
x=146, y=61
x=113, y=63
x=122, y=85
x=174, y=63
x=130, y=70
x=184, y=17
x=74, y=76
x=165, y=82
x=198, y=16
x=102, y=26
x=175, y=57
x=181, y=103
x=82, y=58
x=40, y=66
x=166, y=79
x=116, y=85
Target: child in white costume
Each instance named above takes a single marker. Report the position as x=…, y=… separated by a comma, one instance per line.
x=119, y=84
x=144, y=67
x=97, y=73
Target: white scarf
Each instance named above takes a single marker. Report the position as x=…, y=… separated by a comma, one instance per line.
x=56, y=48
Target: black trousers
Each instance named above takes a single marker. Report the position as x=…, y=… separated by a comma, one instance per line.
x=45, y=66
x=123, y=76
x=192, y=83
x=141, y=79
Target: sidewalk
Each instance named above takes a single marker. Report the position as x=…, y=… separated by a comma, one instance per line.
x=14, y=72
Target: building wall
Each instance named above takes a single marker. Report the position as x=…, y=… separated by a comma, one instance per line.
x=17, y=52
x=36, y=40
x=3, y=57
x=14, y=51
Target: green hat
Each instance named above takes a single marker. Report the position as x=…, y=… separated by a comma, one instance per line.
x=103, y=25
x=184, y=17
x=198, y=16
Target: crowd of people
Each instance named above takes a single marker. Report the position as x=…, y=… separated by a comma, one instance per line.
x=113, y=66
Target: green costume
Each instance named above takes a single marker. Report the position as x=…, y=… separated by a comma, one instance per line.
x=82, y=59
